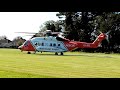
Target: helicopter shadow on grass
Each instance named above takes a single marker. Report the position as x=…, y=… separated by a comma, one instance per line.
x=41, y=54
x=52, y=54
x=91, y=56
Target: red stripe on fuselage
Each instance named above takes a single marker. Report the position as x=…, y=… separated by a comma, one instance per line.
x=70, y=45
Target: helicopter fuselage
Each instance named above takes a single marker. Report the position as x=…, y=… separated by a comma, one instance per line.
x=57, y=44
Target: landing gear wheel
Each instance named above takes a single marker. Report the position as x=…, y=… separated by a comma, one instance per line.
x=56, y=53
x=61, y=53
x=28, y=52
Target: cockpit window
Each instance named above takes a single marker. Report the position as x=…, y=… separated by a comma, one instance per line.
x=26, y=43
x=36, y=43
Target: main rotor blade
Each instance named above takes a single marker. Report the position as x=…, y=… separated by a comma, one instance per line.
x=108, y=32
x=26, y=32
x=107, y=36
x=28, y=35
x=100, y=32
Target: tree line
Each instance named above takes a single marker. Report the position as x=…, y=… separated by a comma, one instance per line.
x=86, y=26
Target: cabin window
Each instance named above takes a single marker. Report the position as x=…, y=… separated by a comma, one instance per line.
x=54, y=44
x=50, y=44
x=42, y=44
x=35, y=44
x=58, y=44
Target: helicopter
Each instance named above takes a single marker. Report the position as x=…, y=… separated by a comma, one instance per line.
x=57, y=43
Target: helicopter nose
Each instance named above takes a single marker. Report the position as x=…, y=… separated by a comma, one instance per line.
x=20, y=47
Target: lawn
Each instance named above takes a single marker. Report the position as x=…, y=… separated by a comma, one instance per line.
x=16, y=64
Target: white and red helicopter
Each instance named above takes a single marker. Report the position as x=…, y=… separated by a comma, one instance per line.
x=57, y=44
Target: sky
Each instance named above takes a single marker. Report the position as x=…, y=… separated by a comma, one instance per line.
x=11, y=22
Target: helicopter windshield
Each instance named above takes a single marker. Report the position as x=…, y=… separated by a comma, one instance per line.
x=25, y=43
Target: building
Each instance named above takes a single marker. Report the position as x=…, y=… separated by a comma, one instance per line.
x=6, y=43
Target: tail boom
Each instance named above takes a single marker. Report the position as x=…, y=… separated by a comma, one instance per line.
x=71, y=45
x=92, y=45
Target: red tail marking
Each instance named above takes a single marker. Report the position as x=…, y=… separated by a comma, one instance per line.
x=91, y=45
x=98, y=40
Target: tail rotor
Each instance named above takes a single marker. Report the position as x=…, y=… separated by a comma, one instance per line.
x=107, y=36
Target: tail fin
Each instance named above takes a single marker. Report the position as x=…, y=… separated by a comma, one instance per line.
x=101, y=37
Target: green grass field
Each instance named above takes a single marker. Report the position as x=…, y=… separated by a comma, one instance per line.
x=16, y=64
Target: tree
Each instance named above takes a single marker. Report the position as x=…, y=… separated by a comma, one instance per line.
x=68, y=24
x=109, y=21
x=3, y=37
x=78, y=24
x=85, y=26
x=18, y=41
x=51, y=25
